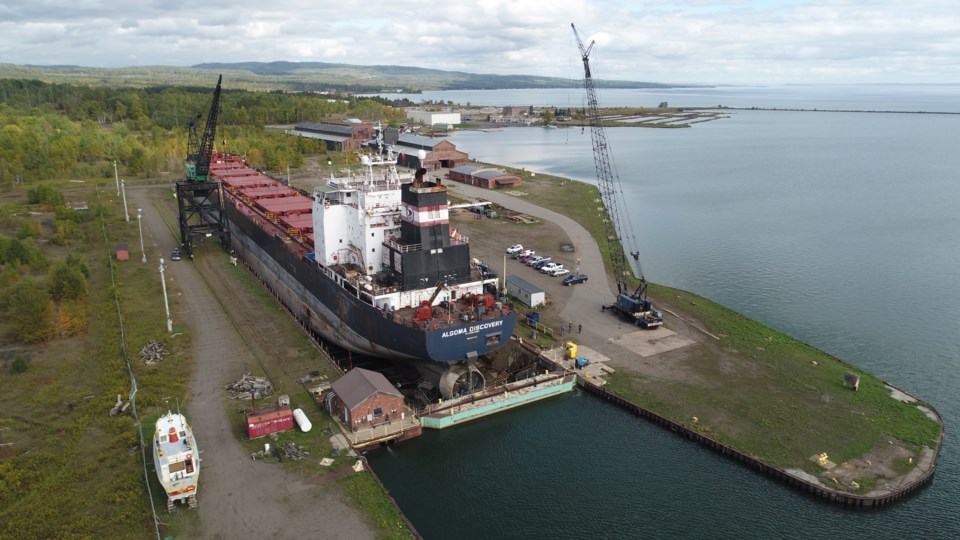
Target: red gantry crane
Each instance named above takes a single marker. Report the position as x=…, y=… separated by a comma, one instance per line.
x=631, y=305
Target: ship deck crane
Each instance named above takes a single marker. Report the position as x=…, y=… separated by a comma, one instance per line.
x=198, y=196
x=631, y=304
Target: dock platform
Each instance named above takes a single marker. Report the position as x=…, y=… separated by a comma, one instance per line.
x=464, y=409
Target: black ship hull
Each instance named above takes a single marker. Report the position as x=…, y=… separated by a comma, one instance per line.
x=333, y=307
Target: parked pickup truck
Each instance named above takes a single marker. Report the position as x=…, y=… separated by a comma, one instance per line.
x=550, y=267
x=524, y=253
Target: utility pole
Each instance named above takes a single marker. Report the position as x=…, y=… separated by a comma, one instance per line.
x=123, y=189
x=166, y=303
x=116, y=177
x=140, y=226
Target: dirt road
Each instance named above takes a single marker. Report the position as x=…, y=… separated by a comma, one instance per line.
x=238, y=498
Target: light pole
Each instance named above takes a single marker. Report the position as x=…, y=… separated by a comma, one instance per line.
x=123, y=189
x=116, y=177
x=140, y=226
x=166, y=304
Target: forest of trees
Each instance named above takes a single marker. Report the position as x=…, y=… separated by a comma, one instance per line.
x=59, y=130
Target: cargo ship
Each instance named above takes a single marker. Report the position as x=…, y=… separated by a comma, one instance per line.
x=176, y=459
x=370, y=262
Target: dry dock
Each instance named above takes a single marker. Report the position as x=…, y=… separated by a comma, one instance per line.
x=494, y=400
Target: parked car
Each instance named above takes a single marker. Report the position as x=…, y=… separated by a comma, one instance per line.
x=559, y=272
x=543, y=262
x=573, y=279
x=175, y=255
x=524, y=253
x=516, y=248
x=550, y=267
x=534, y=260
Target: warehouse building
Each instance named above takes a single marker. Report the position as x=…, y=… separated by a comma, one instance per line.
x=432, y=118
x=485, y=178
x=439, y=152
x=345, y=137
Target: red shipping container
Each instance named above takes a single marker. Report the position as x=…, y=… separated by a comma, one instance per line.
x=267, y=421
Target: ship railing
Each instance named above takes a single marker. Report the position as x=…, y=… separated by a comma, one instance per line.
x=395, y=425
x=402, y=248
x=456, y=316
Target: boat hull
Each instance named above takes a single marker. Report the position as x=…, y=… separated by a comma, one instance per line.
x=176, y=458
x=345, y=319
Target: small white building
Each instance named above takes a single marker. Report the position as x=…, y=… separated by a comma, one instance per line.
x=525, y=291
x=433, y=118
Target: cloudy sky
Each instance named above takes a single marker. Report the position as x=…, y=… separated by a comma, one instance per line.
x=680, y=41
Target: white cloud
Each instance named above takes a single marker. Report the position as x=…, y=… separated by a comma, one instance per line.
x=709, y=41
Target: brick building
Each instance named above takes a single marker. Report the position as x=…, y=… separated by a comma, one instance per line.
x=363, y=399
x=440, y=152
x=485, y=178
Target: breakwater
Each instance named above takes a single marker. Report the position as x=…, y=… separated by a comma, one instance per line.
x=752, y=462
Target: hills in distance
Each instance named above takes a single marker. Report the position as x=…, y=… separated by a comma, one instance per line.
x=299, y=77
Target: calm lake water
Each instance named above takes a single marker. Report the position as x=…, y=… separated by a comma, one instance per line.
x=841, y=229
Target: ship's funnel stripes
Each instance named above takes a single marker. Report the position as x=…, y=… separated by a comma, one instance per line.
x=426, y=216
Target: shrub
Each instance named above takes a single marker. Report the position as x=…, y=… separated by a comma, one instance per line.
x=19, y=364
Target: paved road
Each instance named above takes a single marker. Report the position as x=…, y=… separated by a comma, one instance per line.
x=238, y=498
x=584, y=304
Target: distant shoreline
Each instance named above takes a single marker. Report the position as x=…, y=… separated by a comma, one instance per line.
x=823, y=110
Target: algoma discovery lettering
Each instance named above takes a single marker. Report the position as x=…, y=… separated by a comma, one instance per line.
x=472, y=329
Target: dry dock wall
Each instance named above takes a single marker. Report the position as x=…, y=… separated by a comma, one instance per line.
x=819, y=491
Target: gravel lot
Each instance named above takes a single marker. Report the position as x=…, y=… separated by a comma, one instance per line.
x=238, y=498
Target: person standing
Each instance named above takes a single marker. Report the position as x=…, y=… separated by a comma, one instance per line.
x=570, y=327
x=580, y=328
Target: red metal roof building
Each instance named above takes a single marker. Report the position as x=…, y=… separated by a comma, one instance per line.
x=486, y=178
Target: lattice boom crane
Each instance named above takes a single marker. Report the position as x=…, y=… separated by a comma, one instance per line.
x=198, y=195
x=631, y=305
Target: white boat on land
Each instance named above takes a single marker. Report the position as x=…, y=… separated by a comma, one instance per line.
x=176, y=459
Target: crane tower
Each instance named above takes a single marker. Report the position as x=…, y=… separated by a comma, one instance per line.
x=198, y=196
x=630, y=304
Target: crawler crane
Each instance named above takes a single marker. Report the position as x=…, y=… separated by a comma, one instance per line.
x=630, y=304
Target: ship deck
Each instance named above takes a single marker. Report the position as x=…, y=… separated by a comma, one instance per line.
x=281, y=209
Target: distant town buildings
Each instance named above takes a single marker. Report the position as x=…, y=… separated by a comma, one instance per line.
x=432, y=118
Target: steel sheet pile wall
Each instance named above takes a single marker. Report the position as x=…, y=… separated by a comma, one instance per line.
x=839, y=497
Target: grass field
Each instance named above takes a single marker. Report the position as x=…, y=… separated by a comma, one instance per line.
x=70, y=470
